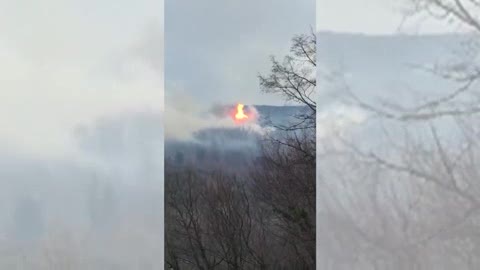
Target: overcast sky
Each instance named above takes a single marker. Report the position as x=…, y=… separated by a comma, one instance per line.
x=371, y=17
x=65, y=63
x=366, y=47
x=215, y=49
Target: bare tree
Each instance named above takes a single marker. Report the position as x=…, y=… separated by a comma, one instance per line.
x=295, y=79
x=187, y=243
x=412, y=202
x=284, y=175
x=463, y=69
x=284, y=183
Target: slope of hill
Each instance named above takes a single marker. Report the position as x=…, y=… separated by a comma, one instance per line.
x=227, y=147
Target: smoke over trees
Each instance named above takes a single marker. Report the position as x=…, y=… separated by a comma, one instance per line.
x=263, y=215
x=409, y=200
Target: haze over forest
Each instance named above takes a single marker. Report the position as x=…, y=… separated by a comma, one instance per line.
x=397, y=183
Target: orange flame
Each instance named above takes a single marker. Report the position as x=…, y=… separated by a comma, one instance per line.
x=240, y=115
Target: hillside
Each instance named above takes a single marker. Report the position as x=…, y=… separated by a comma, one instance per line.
x=227, y=147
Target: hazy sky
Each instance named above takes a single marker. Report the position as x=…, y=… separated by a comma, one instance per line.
x=66, y=63
x=371, y=17
x=376, y=65
x=215, y=49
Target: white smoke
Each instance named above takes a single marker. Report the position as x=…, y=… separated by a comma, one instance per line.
x=338, y=119
x=184, y=116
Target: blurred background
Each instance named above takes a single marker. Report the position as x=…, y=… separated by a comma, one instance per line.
x=81, y=134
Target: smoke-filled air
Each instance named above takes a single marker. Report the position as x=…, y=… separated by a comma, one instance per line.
x=240, y=145
x=398, y=183
x=81, y=135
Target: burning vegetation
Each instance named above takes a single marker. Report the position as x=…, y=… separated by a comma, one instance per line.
x=241, y=114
